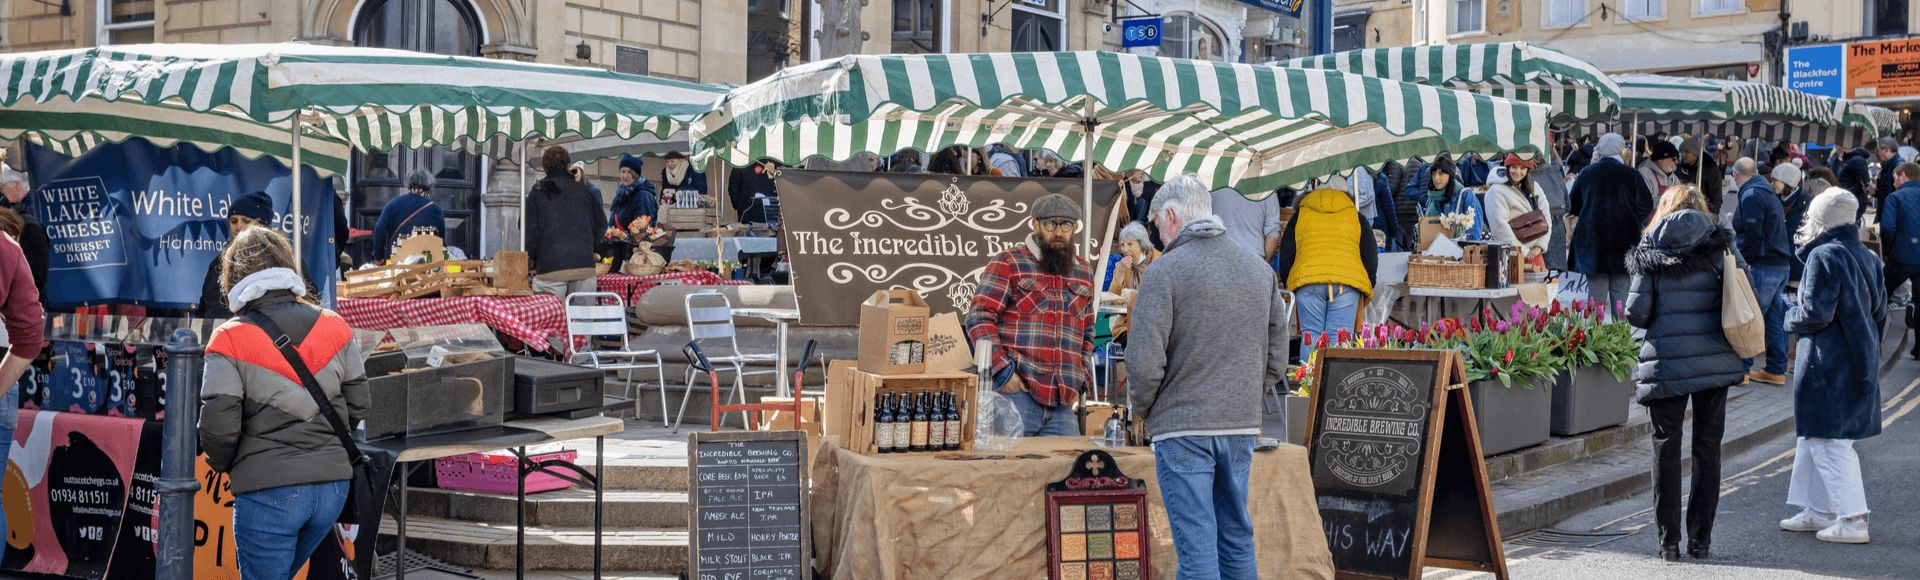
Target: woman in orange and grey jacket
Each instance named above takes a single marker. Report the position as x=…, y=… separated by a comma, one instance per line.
x=1327, y=257
x=288, y=470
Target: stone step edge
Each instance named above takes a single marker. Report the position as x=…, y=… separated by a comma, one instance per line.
x=425, y=528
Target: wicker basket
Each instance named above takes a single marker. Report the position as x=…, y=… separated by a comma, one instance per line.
x=1456, y=275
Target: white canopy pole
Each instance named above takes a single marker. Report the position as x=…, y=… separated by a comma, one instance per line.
x=1086, y=192
x=299, y=265
x=523, y=195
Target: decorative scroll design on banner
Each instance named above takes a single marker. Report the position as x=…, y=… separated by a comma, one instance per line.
x=919, y=217
x=959, y=286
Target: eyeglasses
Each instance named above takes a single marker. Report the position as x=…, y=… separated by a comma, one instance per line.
x=1057, y=225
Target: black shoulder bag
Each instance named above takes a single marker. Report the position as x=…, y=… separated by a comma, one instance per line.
x=359, y=490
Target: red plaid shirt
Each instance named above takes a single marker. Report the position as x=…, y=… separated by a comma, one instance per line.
x=1041, y=324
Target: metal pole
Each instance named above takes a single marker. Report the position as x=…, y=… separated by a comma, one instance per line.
x=523, y=195
x=298, y=264
x=178, y=482
x=1087, y=126
x=1322, y=27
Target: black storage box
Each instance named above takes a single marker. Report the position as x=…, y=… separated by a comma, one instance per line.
x=542, y=386
x=440, y=400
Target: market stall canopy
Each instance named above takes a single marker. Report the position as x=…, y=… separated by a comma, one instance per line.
x=1246, y=127
x=1678, y=105
x=1509, y=70
x=73, y=128
x=375, y=99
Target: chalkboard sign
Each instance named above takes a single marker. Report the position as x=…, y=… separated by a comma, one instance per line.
x=748, y=505
x=1392, y=433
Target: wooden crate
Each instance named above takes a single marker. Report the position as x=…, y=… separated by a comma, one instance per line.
x=382, y=282
x=852, y=412
x=508, y=270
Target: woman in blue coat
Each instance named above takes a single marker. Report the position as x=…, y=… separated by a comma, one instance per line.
x=1836, y=386
x=1436, y=190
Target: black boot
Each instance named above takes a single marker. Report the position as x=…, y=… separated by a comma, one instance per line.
x=1699, y=552
x=1670, y=553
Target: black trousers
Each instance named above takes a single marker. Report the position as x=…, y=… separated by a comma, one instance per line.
x=1897, y=274
x=1709, y=423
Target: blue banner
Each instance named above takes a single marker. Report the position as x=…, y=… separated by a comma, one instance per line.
x=1140, y=32
x=133, y=223
x=1818, y=70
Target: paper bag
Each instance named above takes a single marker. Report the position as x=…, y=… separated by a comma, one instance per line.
x=893, y=333
x=1430, y=228
x=947, y=349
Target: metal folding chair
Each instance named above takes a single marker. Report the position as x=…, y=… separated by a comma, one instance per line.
x=710, y=322
x=597, y=314
x=1275, y=400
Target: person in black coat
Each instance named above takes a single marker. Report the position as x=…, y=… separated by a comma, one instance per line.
x=1855, y=177
x=1699, y=168
x=748, y=186
x=1612, y=202
x=1836, y=384
x=1887, y=151
x=1677, y=271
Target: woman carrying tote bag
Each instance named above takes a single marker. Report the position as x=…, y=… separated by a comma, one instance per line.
x=1675, y=295
x=260, y=425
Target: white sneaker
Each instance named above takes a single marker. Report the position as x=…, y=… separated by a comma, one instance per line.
x=1807, y=521
x=1847, y=531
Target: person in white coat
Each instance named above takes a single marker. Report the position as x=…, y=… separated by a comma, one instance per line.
x=1511, y=193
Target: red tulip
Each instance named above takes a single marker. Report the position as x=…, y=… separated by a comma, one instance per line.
x=1474, y=324
x=1323, y=341
x=1509, y=357
x=1345, y=336
x=1555, y=309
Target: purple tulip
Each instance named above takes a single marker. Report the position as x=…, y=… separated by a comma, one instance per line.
x=1501, y=326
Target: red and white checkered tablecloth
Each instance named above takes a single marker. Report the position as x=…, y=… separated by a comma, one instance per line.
x=529, y=318
x=631, y=288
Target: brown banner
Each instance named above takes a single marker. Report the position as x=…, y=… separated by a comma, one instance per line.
x=850, y=234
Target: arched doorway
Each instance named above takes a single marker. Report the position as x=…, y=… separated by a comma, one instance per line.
x=1189, y=36
x=439, y=27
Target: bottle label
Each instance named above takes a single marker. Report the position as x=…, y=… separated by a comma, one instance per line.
x=900, y=436
x=936, y=434
x=953, y=433
x=919, y=434
x=883, y=436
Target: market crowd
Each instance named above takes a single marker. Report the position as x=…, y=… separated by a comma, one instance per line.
x=1656, y=226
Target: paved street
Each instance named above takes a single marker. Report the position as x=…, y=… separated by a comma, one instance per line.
x=1748, y=544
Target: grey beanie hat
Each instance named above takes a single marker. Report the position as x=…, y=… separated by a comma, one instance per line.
x=1054, y=206
x=1610, y=144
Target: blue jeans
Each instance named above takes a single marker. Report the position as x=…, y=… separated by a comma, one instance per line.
x=1769, y=282
x=275, y=530
x=1320, y=314
x=9, y=418
x=1203, y=482
x=1041, y=420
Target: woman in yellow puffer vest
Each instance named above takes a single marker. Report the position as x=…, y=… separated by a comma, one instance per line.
x=1327, y=258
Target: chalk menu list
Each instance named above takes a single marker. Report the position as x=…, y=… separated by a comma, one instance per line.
x=749, y=518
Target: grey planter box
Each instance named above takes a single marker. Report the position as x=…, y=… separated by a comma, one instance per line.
x=1510, y=418
x=1299, y=413
x=1589, y=398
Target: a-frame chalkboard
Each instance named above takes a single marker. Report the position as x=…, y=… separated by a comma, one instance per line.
x=1396, y=465
x=747, y=506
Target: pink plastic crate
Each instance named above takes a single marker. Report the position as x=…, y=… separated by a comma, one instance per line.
x=484, y=473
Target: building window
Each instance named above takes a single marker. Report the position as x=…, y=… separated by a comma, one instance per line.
x=1884, y=18
x=1720, y=6
x=1039, y=26
x=1469, y=16
x=1188, y=37
x=1420, y=23
x=1645, y=9
x=916, y=26
x=126, y=21
x=1570, y=12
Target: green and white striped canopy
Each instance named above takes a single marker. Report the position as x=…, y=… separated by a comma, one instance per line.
x=73, y=128
x=375, y=99
x=1745, y=109
x=1510, y=70
x=1250, y=128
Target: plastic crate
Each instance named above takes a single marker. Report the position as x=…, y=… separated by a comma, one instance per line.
x=486, y=473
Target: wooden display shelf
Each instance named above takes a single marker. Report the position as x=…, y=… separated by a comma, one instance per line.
x=851, y=403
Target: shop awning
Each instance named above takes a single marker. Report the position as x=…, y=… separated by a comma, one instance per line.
x=73, y=128
x=1246, y=127
x=1510, y=70
x=1752, y=110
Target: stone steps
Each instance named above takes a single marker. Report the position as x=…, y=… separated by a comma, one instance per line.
x=567, y=508
x=491, y=546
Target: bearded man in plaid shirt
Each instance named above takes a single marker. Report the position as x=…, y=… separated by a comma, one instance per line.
x=1035, y=302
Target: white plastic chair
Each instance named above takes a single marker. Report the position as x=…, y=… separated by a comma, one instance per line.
x=596, y=314
x=710, y=322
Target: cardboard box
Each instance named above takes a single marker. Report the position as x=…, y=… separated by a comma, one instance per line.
x=1430, y=228
x=893, y=333
x=811, y=411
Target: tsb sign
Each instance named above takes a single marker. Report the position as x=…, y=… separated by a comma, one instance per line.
x=1140, y=32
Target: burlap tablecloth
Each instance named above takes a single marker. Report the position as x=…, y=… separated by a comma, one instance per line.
x=904, y=517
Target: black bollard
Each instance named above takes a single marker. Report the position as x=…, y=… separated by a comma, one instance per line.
x=179, y=446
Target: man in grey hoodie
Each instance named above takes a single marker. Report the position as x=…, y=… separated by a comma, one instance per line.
x=1209, y=332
